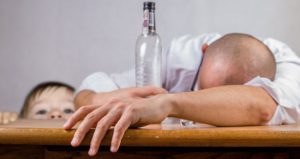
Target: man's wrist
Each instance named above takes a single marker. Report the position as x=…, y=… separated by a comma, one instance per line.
x=169, y=102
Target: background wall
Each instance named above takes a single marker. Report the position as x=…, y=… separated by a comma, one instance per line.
x=66, y=40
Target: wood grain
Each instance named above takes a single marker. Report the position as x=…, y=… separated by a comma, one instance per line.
x=40, y=132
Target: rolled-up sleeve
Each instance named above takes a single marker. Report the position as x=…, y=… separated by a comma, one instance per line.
x=98, y=82
x=103, y=82
x=285, y=89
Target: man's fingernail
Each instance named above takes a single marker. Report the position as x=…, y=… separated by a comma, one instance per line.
x=113, y=149
x=74, y=141
x=66, y=124
x=92, y=152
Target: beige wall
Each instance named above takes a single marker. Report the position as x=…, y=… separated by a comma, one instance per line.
x=68, y=39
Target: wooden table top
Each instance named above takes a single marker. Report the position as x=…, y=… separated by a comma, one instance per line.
x=50, y=132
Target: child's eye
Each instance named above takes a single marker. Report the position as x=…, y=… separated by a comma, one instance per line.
x=68, y=111
x=41, y=112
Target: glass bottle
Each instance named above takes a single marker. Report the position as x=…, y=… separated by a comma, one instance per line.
x=148, y=51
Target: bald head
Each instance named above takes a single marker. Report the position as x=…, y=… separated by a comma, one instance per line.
x=235, y=59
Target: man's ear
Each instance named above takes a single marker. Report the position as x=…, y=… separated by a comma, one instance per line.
x=204, y=47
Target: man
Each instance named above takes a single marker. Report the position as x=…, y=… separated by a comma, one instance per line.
x=231, y=81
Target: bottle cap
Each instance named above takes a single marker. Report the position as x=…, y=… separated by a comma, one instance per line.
x=149, y=5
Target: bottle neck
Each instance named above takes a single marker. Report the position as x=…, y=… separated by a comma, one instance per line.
x=149, y=22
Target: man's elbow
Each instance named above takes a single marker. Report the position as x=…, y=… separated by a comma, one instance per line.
x=265, y=117
x=263, y=107
x=265, y=114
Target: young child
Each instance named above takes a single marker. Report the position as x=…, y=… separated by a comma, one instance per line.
x=49, y=100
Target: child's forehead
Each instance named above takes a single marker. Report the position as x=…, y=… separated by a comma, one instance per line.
x=52, y=92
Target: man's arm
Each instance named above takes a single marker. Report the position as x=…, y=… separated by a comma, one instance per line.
x=84, y=97
x=87, y=97
x=222, y=106
x=235, y=105
x=95, y=87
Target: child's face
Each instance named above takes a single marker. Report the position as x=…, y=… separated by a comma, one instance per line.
x=52, y=103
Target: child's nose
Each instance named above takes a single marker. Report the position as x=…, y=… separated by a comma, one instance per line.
x=55, y=115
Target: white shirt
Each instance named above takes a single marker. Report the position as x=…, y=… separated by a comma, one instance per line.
x=183, y=59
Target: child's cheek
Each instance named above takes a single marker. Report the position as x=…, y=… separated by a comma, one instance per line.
x=35, y=116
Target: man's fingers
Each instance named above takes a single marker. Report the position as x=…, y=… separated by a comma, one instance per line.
x=119, y=131
x=102, y=127
x=148, y=91
x=88, y=122
x=79, y=115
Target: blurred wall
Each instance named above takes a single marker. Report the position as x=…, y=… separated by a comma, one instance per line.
x=66, y=40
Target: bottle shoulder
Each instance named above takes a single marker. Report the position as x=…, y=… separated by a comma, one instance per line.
x=153, y=35
x=149, y=37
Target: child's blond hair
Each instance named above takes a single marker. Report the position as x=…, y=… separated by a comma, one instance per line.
x=38, y=90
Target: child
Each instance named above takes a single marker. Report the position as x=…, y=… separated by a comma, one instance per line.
x=49, y=100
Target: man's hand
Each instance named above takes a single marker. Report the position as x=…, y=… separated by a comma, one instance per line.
x=87, y=97
x=119, y=113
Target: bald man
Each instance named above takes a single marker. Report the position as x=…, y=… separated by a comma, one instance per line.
x=235, y=59
x=223, y=81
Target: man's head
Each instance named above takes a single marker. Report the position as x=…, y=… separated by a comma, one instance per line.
x=49, y=100
x=235, y=59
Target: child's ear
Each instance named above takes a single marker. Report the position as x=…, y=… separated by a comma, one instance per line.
x=204, y=47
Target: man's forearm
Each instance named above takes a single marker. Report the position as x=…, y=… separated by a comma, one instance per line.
x=87, y=97
x=224, y=106
x=84, y=97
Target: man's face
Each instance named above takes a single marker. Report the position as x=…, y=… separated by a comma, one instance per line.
x=207, y=74
x=212, y=73
x=52, y=104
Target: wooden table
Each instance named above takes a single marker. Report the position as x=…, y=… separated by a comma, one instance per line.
x=46, y=139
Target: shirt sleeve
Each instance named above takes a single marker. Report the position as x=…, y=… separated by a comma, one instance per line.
x=103, y=82
x=285, y=89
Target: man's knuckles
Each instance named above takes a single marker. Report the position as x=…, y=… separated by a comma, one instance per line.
x=119, y=129
x=102, y=125
x=119, y=108
x=85, y=109
x=91, y=116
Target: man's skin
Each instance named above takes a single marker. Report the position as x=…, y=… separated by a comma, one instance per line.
x=217, y=103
